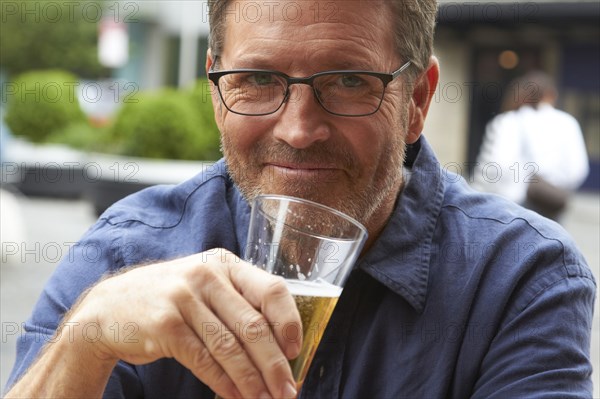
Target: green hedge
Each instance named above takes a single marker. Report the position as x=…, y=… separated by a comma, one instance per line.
x=83, y=136
x=172, y=124
x=59, y=34
x=167, y=124
x=40, y=103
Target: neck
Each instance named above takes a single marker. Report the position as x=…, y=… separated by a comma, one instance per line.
x=380, y=217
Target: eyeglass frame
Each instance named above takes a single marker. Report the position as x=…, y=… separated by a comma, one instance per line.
x=385, y=78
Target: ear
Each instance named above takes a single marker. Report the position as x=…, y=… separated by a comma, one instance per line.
x=209, y=60
x=423, y=90
x=214, y=94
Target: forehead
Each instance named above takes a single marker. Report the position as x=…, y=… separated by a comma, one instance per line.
x=344, y=31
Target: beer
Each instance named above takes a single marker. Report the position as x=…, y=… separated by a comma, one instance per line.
x=315, y=301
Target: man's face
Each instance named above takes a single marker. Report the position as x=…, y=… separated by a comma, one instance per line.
x=349, y=163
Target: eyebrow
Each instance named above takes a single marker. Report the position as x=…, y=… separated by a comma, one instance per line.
x=252, y=62
x=260, y=62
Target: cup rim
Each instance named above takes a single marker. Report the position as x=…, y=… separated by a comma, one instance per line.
x=290, y=198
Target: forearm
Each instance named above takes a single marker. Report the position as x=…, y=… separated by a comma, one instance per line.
x=70, y=365
x=67, y=367
x=168, y=322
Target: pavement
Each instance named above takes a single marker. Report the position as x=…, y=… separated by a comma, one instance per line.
x=51, y=226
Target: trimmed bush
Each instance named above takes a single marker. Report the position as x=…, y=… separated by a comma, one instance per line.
x=83, y=136
x=210, y=135
x=52, y=34
x=166, y=124
x=40, y=103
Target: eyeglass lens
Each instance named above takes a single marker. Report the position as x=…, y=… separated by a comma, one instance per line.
x=255, y=93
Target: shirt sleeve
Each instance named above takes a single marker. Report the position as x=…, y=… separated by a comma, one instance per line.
x=576, y=168
x=543, y=351
x=97, y=253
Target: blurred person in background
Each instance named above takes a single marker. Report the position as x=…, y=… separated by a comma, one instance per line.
x=532, y=153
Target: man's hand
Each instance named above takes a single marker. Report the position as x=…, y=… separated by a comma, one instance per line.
x=233, y=325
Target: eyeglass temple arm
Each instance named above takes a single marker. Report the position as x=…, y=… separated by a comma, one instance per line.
x=397, y=72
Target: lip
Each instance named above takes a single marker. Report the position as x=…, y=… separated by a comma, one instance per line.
x=303, y=171
x=301, y=166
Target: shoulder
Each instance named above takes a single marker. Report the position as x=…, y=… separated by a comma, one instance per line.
x=558, y=116
x=499, y=222
x=517, y=257
x=532, y=241
x=503, y=120
x=488, y=214
x=170, y=221
x=163, y=206
x=503, y=130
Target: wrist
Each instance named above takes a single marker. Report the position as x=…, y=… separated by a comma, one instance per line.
x=69, y=365
x=87, y=336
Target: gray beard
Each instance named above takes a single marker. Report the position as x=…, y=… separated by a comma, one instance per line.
x=363, y=204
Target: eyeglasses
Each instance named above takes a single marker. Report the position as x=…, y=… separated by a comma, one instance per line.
x=256, y=92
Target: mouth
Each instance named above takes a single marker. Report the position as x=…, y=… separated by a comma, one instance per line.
x=304, y=171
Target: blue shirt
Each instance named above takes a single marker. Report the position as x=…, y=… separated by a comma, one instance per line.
x=462, y=295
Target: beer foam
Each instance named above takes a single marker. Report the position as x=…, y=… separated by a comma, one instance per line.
x=318, y=287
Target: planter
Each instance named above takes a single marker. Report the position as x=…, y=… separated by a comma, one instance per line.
x=44, y=170
x=102, y=179
x=111, y=178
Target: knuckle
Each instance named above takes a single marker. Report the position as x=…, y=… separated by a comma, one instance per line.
x=277, y=288
x=252, y=318
x=201, y=279
x=254, y=328
x=203, y=274
x=222, y=382
x=202, y=360
x=206, y=369
x=165, y=321
x=279, y=363
x=247, y=377
x=226, y=347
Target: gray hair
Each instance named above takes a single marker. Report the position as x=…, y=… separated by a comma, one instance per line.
x=414, y=25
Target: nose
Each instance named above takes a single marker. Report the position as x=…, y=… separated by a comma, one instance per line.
x=302, y=121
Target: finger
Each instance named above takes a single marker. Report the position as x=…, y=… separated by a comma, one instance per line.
x=225, y=348
x=261, y=336
x=189, y=350
x=263, y=291
x=270, y=294
x=253, y=333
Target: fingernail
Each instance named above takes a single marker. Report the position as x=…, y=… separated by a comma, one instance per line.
x=289, y=391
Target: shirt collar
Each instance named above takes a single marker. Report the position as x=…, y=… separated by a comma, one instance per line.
x=400, y=257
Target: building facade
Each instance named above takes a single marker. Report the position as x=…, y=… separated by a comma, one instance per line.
x=481, y=46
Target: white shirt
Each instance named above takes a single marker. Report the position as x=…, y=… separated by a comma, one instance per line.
x=521, y=143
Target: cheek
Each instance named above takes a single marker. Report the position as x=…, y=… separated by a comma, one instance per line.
x=392, y=122
x=368, y=140
x=217, y=107
x=243, y=131
x=392, y=112
x=381, y=144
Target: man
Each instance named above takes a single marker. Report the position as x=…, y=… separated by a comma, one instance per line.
x=534, y=145
x=453, y=296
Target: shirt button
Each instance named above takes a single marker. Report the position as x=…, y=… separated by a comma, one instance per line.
x=321, y=371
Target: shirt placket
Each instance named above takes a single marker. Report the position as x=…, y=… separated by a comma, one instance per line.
x=324, y=377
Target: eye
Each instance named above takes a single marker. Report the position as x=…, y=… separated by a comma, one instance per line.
x=261, y=78
x=351, y=81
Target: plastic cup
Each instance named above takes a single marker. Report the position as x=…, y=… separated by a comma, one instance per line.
x=314, y=248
